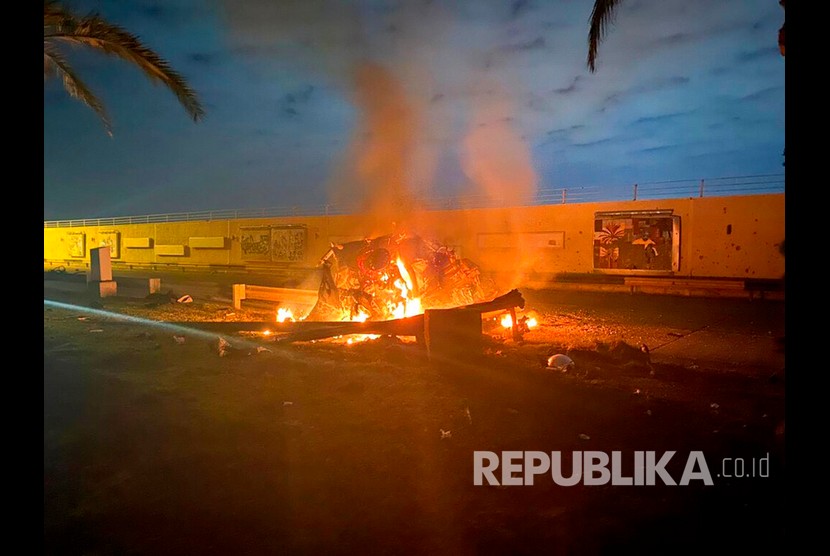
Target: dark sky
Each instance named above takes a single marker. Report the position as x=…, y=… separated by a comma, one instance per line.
x=310, y=101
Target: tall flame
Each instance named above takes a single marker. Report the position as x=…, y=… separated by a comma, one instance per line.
x=404, y=274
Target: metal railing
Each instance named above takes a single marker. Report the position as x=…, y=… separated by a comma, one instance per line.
x=672, y=189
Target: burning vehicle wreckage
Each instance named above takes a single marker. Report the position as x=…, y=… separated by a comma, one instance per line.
x=393, y=277
x=398, y=285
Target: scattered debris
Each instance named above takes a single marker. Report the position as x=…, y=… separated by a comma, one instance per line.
x=185, y=299
x=560, y=362
x=692, y=367
x=648, y=412
x=83, y=318
x=445, y=434
x=583, y=436
x=261, y=349
x=467, y=413
x=224, y=347
x=179, y=339
x=97, y=330
x=675, y=334
x=286, y=404
x=714, y=405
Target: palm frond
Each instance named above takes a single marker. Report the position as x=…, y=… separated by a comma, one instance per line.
x=93, y=31
x=602, y=16
x=55, y=64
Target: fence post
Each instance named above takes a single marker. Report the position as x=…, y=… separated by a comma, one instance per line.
x=635, y=191
x=564, y=195
x=238, y=295
x=701, y=188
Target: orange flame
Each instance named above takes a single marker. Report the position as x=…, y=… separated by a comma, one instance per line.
x=404, y=274
x=284, y=314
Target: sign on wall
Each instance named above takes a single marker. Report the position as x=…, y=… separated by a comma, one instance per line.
x=282, y=244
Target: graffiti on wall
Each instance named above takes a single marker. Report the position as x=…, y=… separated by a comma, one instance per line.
x=288, y=244
x=76, y=244
x=111, y=240
x=256, y=243
x=282, y=244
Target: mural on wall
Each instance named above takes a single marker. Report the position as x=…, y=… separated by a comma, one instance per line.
x=76, y=244
x=288, y=244
x=111, y=240
x=642, y=242
x=607, y=242
x=256, y=243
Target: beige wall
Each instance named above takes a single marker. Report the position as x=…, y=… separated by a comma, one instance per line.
x=720, y=237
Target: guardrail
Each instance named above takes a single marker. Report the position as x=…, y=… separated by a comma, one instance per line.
x=711, y=187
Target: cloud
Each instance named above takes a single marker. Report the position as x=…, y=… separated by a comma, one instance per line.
x=660, y=118
x=518, y=7
x=205, y=58
x=765, y=93
x=642, y=88
x=604, y=141
x=570, y=88
x=656, y=149
x=766, y=52
x=535, y=44
x=672, y=40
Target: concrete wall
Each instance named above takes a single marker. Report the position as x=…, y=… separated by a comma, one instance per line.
x=736, y=237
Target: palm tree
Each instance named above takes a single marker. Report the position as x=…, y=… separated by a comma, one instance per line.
x=603, y=15
x=60, y=26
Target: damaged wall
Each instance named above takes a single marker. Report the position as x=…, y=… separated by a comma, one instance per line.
x=736, y=237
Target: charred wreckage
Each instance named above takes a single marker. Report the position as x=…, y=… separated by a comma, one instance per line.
x=392, y=277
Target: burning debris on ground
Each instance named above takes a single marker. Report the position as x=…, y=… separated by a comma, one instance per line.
x=395, y=276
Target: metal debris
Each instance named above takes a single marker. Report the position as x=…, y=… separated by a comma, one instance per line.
x=445, y=434
x=185, y=299
x=224, y=347
x=560, y=362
